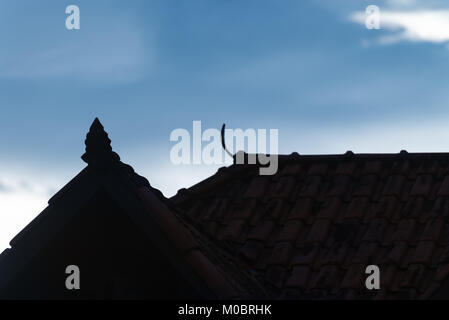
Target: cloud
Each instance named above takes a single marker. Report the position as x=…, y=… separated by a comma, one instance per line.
x=416, y=25
x=23, y=195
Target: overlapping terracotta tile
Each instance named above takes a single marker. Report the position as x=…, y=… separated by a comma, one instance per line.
x=233, y=231
x=388, y=207
x=415, y=276
x=311, y=186
x=365, y=186
x=283, y=188
x=257, y=187
x=396, y=254
x=251, y=250
x=366, y=253
x=275, y=210
x=444, y=187
x=328, y=278
x=357, y=208
x=423, y=252
x=276, y=276
x=292, y=170
x=346, y=168
x=373, y=167
x=318, y=169
x=302, y=209
x=329, y=208
x=433, y=230
x=299, y=277
x=405, y=230
x=306, y=254
x=378, y=231
x=246, y=210
x=340, y=186
x=422, y=185
x=281, y=255
x=319, y=231
x=354, y=277
x=262, y=231
x=401, y=166
x=393, y=186
x=290, y=231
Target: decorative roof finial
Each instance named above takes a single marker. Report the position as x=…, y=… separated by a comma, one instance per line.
x=98, y=147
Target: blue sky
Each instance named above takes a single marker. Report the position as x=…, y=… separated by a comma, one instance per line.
x=307, y=68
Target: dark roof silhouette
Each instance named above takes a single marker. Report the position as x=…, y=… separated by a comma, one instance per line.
x=310, y=230
x=307, y=232
x=189, y=261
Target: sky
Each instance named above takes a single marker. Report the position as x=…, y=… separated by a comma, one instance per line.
x=310, y=69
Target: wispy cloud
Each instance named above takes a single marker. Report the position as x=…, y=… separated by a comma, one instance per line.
x=22, y=197
x=412, y=23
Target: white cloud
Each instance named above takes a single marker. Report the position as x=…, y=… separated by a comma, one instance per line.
x=417, y=25
x=24, y=193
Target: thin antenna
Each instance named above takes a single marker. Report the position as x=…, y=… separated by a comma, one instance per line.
x=223, y=140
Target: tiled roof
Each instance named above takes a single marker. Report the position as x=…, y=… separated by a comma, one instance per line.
x=310, y=230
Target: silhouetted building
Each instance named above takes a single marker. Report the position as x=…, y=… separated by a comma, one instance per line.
x=307, y=232
x=125, y=238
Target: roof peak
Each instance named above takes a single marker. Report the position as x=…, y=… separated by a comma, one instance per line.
x=98, y=147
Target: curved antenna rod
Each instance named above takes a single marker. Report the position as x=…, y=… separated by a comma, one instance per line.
x=223, y=140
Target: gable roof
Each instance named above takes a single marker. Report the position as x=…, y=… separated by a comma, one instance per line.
x=310, y=230
x=207, y=267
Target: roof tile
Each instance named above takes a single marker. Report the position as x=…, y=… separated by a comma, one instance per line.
x=346, y=168
x=328, y=278
x=444, y=188
x=298, y=277
x=306, y=254
x=422, y=185
x=319, y=231
x=393, y=186
x=373, y=167
x=275, y=276
x=302, y=209
x=405, y=230
x=366, y=185
x=433, y=230
x=329, y=208
x=246, y=210
x=281, y=254
x=357, y=208
x=423, y=252
x=233, y=230
x=339, y=186
x=257, y=187
x=414, y=276
x=353, y=278
x=283, y=188
x=252, y=250
x=311, y=186
x=319, y=169
x=262, y=231
x=290, y=230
